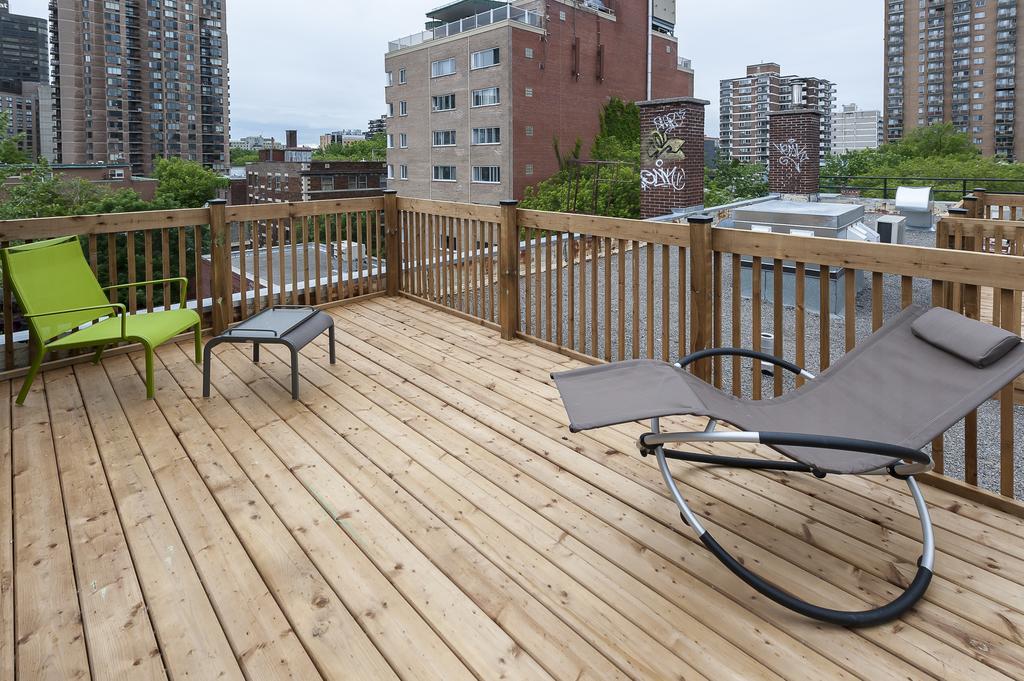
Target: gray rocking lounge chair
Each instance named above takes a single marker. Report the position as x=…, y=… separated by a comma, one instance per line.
x=870, y=414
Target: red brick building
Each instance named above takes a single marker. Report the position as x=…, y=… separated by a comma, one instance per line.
x=476, y=102
x=290, y=175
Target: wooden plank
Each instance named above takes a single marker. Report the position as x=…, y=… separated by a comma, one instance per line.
x=929, y=263
x=7, y=636
x=334, y=641
x=651, y=320
x=471, y=627
x=755, y=326
x=192, y=640
x=778, y=324
x=493, y=418
x=50, y=640
x=519, y=391
x=259, y=633
x=120, y=638
x=621, y=300
x=623, y=641
x=302, y=209
x=615, y=228
x=736, y=371
x=595, y=320
x=666, y=305
x=107, y=223
x=635, y=303
x=451, y=208
x=608, y=295
x=1009, y=312
x=801, y=318
x=825, y=319
x=311, y=499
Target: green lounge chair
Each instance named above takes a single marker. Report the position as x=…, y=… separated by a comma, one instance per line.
x=65, y=307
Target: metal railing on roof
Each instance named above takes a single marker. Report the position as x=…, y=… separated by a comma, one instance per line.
x=528, y=17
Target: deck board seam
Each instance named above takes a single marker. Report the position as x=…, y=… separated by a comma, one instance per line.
x=627, y=501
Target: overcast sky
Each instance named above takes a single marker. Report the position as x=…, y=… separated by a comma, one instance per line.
x=318, y=65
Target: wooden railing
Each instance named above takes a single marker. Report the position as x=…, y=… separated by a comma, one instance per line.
x=607, y=289
x=594, y=288
x=237, y=259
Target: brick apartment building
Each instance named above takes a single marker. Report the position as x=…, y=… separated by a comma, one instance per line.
x=290, y=175
x=954, y=61
x=476, y=101
x=745, y=104
x=136, y=80
x=24, y=82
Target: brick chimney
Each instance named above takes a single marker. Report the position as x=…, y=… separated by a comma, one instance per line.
x=291, y=139
x=794, y=151
x=671, y=155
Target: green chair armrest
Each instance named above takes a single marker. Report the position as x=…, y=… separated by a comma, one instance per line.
x=122, y=311
x=182, y=281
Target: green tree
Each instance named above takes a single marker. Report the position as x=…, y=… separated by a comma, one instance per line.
x=10, y=152
x=373, y=149
x=733, y=181
x=186, y=184
x=611, y=186
x=935, y=151
x=239, y=157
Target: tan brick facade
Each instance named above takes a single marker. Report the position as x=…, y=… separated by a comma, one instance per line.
x=671, y=155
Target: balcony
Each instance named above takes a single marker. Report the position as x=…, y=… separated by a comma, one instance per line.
x=532, y=16
x=422, y=511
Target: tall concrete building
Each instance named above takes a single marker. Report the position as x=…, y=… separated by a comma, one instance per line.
x=24, y=81
x=746, y=102
x=137, y=80
x=22, y=50
x=954, y=61
x=854, y=129
x=476, y=101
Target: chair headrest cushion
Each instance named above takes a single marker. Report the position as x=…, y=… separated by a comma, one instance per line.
x=972, y=341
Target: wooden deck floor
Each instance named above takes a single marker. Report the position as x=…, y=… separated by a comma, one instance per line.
x=423, y=513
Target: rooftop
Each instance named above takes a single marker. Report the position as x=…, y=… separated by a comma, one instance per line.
x=421, y=513
x=523, y=12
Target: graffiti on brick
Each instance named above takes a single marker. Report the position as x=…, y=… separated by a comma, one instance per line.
x=663, y=146
x=792, y=155
x=671, y=121
x=663, y=177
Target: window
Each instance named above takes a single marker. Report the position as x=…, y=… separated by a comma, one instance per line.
x=487, y=96
x=443, y=102
x=529, y=92
x=442, y=67
x=487, y=174
x=529, y=53
x=387, y=79
x=391, y=109
x=444, y=138
x=401, y=76
x=391, y=172
x=403, y=140
x=529, y=131
x=391, y=141
x=327, y=183
x=485, y=58
x=486, y=135
x=444, y=173
x=529, y=169
x=403, y=172
x=403, y=109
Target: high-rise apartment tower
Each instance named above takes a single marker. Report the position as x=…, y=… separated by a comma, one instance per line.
x=954, y=61
x=747, y=101
x=137, y=80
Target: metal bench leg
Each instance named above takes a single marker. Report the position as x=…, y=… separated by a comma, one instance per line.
x=255, y=352
x=330, y=337
x=206, y=366
x=295, y=373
